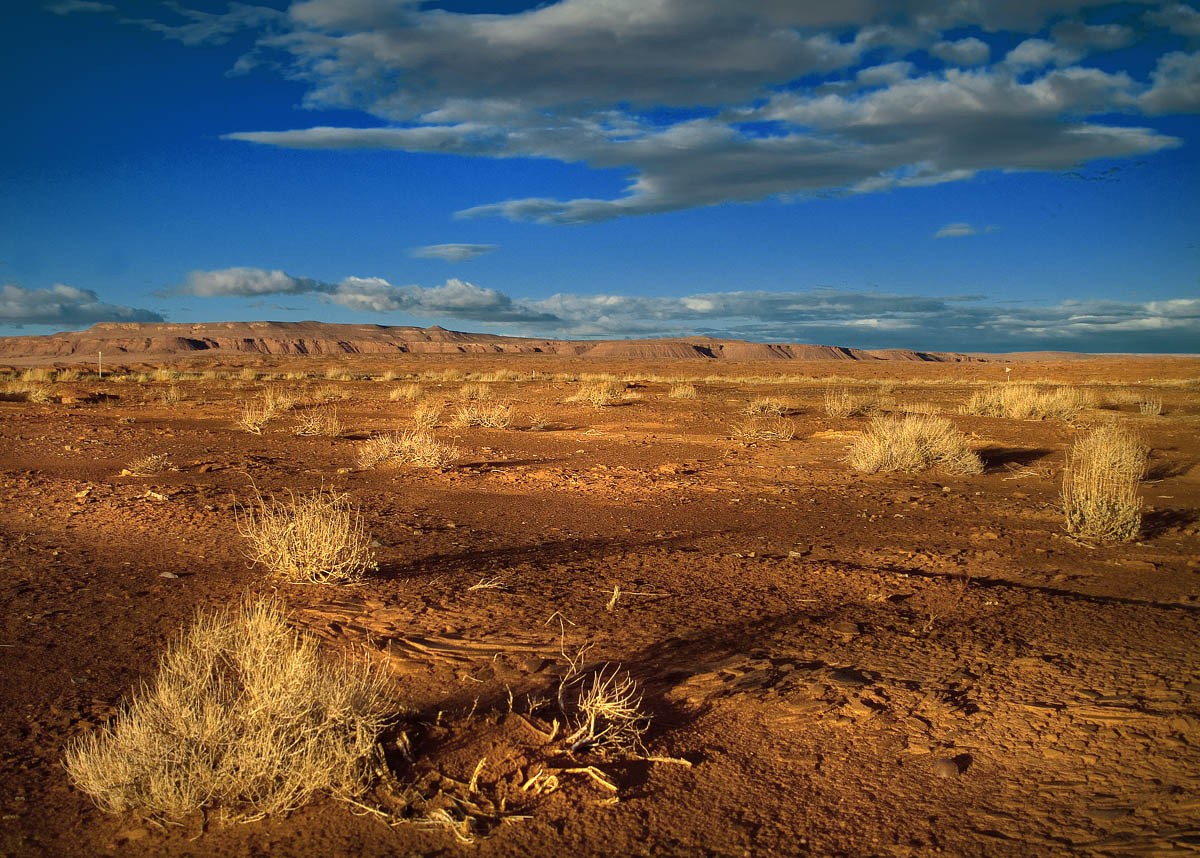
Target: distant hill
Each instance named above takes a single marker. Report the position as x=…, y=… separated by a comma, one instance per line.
x=148, y=341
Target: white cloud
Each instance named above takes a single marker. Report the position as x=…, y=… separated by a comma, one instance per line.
x=452, y=252
x=964, y=52
x=64, y=305
x=213, y=28
x=1178, y=18
x=1176, y=85
x=872, y=319
x=248, y=282
x=956, y=230
x=675, y=91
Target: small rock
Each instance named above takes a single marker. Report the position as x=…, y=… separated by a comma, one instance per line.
x=167, y=575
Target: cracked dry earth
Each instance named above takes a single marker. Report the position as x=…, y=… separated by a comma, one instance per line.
x=835, y=664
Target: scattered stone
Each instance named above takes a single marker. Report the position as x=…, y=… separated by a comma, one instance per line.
x=167, y=575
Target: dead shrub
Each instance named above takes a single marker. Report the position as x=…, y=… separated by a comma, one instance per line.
x=600, y=394
x=406, y=448
x=1151, y=406
x=144, y=466
x=767, y=406
x=246, y=715
x=493, y=416
x=474, y=391
x=682, y=391
x=764, y=429
x=913, y=443
x=1029, y=402
x=410, y=392
x=319, y=420
x=255, y=416
x=603, y=709
x=427, y=415
x=317, y=538
x=1099, y=494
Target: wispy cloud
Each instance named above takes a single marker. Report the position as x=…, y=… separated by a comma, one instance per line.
x=541, y=84
x=64, y=306
x=825, y=315
x=961, y=230
x=452, y=252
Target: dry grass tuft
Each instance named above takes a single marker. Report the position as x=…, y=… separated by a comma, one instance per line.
x=682, y=391
x=255, y=416
x=1151, y=406
x=913, y=443
x=600, y=394
x=410, y=392
x=1099, y=493
x=317, y=538
x=245, y=714
x=767, y=406
x=840, y=402
x=406, y=448
x=319, y=420
x=494, y=416
x=474, y=391
x=144, y=466
x=760, y=429
x=427, y=415
x=1029, y=402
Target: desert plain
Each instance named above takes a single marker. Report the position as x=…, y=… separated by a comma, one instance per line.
x=830, y=662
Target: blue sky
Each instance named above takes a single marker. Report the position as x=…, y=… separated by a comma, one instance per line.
x=971, y=176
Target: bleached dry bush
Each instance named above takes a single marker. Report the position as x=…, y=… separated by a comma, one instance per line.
x=840, y=402
x=255, y=416
x=406, y=448
x=246, y=715
x=760, y=429
x=474, y=391
x=599, y=394
x=1029, y=402
x=1152, y=406
x=767, y=406
x=317, y=538
x=320, y=420
x=682, y=391
x=603, y=708
x=144, y=466
x=427, y=415
x=1099, y=494
x=913, y=443
x=410, y=392
x=493, y=416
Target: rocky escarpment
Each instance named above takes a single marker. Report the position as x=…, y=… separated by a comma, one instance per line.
x=134, y=340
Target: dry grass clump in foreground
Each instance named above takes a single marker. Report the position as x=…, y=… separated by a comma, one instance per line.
x=767, y=406
x=913, y=443
x=245, y=714
x=406, y=448
x=317, y=538
x=682, y=390
x=1029, y=402
x=1099, y=493
x=426, y=415
x=410, y=392
x=760, y=429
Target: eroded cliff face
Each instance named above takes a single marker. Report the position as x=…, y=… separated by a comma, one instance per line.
x=133, y=340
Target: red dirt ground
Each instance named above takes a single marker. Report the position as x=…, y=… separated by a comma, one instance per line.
x=893, y=664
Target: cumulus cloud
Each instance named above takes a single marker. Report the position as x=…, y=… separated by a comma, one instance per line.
x=677, y=92
x=964, y=52
x=247, y=282
x=65, y=306
x=867, y=319
x=1176, y=85
x=452, y=252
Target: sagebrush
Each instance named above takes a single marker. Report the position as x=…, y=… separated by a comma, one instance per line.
x=246, y=715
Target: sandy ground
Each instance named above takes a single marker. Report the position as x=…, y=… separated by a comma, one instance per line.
x=893, y=664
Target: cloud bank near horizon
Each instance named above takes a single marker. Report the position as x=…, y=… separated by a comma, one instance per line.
x=824, y=315
x=63, y=306
x=786, y=100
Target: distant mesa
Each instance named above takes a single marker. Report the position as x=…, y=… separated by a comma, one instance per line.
x=147, y=341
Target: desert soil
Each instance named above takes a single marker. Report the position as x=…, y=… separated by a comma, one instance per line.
x=835, y=664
